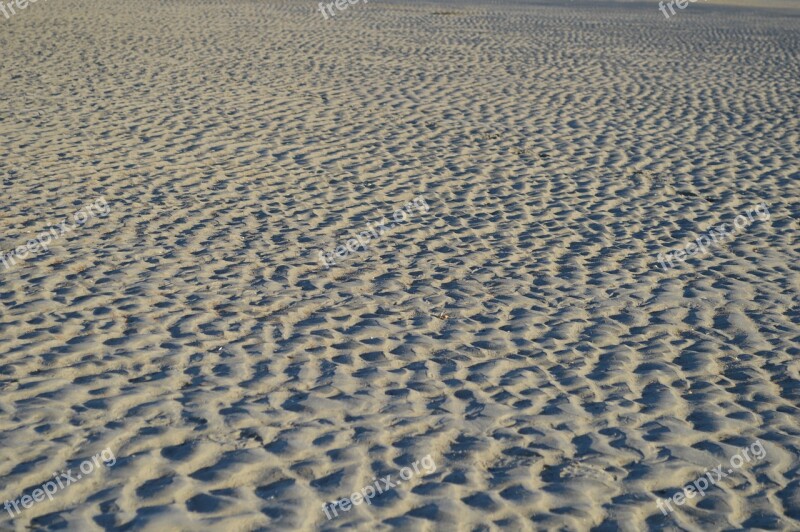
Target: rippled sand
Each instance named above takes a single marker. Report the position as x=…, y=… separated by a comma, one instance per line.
x=520, y=331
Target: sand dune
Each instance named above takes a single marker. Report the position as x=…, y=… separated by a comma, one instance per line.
x=520, y=332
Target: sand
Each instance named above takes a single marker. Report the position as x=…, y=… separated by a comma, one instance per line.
x=520, y=332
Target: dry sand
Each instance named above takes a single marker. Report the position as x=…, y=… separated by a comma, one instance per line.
x=520, y=332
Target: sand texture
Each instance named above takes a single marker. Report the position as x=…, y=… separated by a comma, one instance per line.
x=519, y=329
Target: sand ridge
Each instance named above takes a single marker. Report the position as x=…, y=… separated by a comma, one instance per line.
x=520, y=332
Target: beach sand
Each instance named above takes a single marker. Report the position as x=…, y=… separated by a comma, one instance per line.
x=518, y=331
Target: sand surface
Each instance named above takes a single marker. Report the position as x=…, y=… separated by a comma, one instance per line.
x=519, y=331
